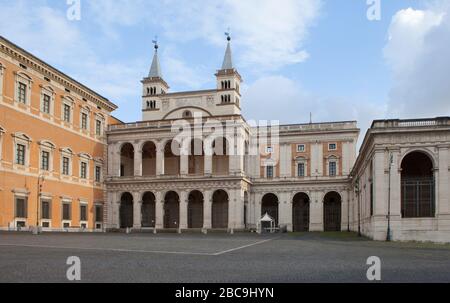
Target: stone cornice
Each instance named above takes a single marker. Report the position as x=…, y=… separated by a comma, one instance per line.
x=45, y=69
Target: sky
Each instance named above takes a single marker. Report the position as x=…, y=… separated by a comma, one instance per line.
x=324, y=57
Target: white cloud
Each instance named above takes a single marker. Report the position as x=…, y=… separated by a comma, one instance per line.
x=418, y=54
x=280, y=98
x=269, y=34
x=46, y=33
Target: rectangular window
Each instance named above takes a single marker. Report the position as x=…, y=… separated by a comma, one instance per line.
x=98, y=127
x=46, y=104
x=66, y=213
x=20, y=154
x=66, y=116
x=21, y=208
x=98, y=173
x=301, y=148
x=45, y=210
x=270, y=171
x=84, y=118
x=22, y=93
x=45, y=160
x=65, y=164
x=269, y=149
x=83, y=171
x=301, y=169
x=332, y=169
x=332, y=146
x=98, y=213
x=83, y=212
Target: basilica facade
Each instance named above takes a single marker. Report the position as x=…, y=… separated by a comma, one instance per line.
x=195, y=163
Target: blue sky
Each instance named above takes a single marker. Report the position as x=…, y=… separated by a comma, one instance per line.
x=296, y=56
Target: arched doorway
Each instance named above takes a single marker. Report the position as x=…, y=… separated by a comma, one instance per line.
x=300, y=212
x=149, y=159
x=126, y=210
x=196, y=157
x=172, y=158
x=195, y=209
x=332, y=211
x=148, y=208
x=127, y=160
x=269, y=205
x=171, y=210
x=220, y=209
x=417, y=181
x=220, y=158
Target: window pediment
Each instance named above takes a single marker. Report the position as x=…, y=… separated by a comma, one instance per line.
x=22, y=136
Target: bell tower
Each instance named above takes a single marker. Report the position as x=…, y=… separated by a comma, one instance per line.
x=153, y=88
x=228, y=79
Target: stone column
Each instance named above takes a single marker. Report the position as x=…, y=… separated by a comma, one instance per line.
x=137, y=160
x=183, y=210
x=207, y=209
x=159, y=159
x=137, y=216
x=231, y=209
x=159, y=220
x=111, y=205
x=316, y=212
x=239, y=209
x=285, y=210
x=257, y=210
x=344, y=209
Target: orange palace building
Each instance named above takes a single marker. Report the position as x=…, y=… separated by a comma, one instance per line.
x=52, y=146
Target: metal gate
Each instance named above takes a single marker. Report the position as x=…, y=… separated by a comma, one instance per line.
x=332, y=212
x=300, y=213
x=418, y=197
x=171, y=210
x=220, y=210
x=126, y=211
x=195, y=210
x=148, y=210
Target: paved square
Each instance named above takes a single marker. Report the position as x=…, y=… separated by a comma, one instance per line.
x=308, y=257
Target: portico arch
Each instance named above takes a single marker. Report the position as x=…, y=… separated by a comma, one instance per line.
x=269, y=205
x=300, y=212
x=332, y=211
x=195, y=209
x=171, y=210
x=127, y=160
x=148, y=210
x=126, y=210
x=417, y=186
x=220, y=209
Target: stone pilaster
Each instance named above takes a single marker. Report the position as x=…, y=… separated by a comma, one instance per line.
x=183, y=209
x=159, y=205
x=137, y=216
x=207, y=202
